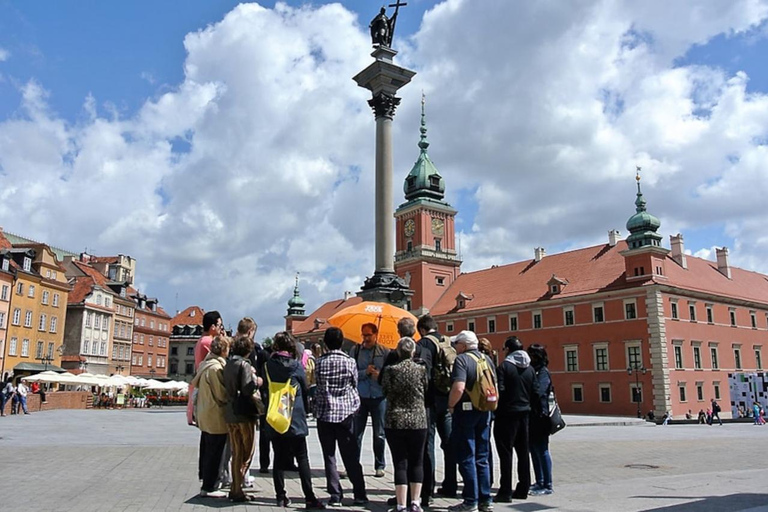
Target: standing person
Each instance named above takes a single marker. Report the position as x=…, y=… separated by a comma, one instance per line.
x=405, y=387
x=283, y=366
x=336, y=402
x=540, y=423
x=484, y=346
x=471, y=428
x=212, y=326
x=370, y=357
x=715, y=413
x=310, y=365
x=242, y=410
x=21, y=392
x=518, y=387
x=265, y=444
x=211, y=407
x=6, y=394
x=440, y=367
x=756, y=412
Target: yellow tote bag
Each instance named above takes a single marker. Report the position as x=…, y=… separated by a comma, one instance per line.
x=282, y=397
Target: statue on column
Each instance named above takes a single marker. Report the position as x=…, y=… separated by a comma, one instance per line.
x=383, y=27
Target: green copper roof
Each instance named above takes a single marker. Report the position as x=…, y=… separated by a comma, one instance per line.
x=424, y=180
x=642, y=226
x=296, y=303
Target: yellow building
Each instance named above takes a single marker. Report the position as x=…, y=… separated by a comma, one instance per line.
x=37, y=310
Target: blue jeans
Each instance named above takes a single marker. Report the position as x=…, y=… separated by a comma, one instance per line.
x=443, y=424
x=376, y=407
x=470, y=438
x=542, y=462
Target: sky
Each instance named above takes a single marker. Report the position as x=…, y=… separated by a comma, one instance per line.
x=226, y=147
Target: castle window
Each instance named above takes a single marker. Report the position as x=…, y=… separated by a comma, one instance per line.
x=673, y=306
x=512, y=322
x=597, y=313
x=569, y=319
x=630, y=309
x=409, y=246
x=491, y=325
x=440, y=281
x=537, y=320
x=438, y=245
x=471, y=325
x=434, y=181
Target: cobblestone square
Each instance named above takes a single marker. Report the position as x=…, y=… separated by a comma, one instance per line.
x=142, y=460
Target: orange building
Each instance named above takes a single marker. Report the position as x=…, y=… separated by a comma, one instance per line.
x=151, y=334
x=6, y=285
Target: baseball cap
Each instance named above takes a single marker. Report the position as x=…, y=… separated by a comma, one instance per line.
x=467, y=337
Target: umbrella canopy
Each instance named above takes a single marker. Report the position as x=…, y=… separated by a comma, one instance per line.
x=385, y=316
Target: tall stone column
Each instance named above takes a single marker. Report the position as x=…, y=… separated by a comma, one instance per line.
x=383, y=78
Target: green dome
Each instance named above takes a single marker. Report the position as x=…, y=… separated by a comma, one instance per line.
x=642, y=226
x=296, y=303
x=424, y=181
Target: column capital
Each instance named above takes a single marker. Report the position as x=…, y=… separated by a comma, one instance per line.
x=384, y=105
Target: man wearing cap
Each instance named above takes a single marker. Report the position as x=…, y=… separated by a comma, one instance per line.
x=471, y=428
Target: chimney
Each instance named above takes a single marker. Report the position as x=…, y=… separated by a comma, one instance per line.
x=678, y=250
x=722, y=262
x=539, y=253
x=347, y=295
x=613, y=237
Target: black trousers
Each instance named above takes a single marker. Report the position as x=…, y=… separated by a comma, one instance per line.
x=511, y=432
x=286, y=448
x=211, y=448
x=264, y=443
x=407, y=447
x=341, y=434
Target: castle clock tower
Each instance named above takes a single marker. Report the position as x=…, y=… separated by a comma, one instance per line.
x=425, y=243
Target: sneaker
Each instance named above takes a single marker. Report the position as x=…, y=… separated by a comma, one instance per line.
x=314, y=504
x=361, y=501
x=212, y=494
x=379, y=473
x=535, y=487
x=486, y=507
x=541, y=492
x=463, y=507
x=283, y=502
x=415, y=507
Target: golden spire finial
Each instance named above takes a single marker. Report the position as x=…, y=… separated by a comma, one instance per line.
x=637, y=177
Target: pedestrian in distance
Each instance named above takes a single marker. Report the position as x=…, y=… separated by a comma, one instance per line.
x=405, y=386
x=370, y=358
x=210, y=414
x=336, y=403
x=21, y=393
x=540, y=423
x=6, y=394
x=715, y=413
x=284, y=367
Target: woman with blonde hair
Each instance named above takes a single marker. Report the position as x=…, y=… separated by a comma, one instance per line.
x=405, y=423
x=211, y=406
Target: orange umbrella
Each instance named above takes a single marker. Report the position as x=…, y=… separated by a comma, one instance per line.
x=385, y=316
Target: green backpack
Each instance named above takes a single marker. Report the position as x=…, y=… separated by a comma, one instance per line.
x=442, y=367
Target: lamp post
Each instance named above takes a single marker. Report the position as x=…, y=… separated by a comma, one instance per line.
x=637, y=395
x=46, y=360
x=152, y=373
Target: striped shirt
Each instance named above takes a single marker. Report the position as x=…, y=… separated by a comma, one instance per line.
x=336, y=397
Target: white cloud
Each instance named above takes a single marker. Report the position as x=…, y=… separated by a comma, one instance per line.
x=4, y=54
x=260, y=162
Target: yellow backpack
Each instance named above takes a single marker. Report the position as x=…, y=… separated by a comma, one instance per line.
x=282, y=397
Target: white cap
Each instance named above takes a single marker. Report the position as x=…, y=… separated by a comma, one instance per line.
x=467, y=337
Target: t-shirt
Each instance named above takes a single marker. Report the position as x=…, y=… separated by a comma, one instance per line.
x=465, y=370
x=202, y=348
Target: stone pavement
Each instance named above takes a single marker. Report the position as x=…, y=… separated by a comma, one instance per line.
x=137, y=460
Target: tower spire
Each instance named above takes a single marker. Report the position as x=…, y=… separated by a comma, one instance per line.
x=423, y=143
x=642, y=226
x=424, y=181
x=296, y=303
x=640, y=201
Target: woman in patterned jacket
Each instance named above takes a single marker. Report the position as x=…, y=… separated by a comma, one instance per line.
x=405, y=422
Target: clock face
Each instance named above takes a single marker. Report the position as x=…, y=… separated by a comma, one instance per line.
x=438, y=226
x=410, y=227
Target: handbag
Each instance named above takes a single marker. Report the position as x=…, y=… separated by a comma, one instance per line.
x=247, y=404
x=282, y=397
x=556, y=421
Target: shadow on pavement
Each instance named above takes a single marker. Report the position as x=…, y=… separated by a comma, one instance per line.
x=732, y=502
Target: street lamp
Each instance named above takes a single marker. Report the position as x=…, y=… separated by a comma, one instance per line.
x=152, y=373
x=637, y=395
x=46, y=360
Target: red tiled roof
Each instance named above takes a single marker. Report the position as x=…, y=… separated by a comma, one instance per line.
x=82, y=288
x=590, y=270
x=4, y=242
x=193, y=315
x=103, y=259
x=323, y=313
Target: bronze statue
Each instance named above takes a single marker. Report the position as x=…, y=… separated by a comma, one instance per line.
x=383, y=27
